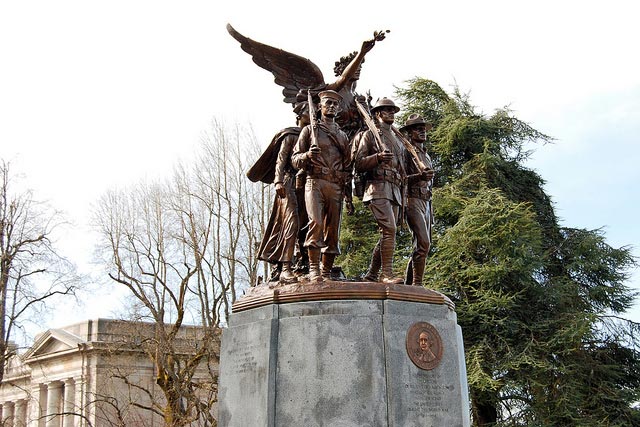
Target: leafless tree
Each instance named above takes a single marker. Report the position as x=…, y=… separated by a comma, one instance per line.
x=185, y=249
x=31, y=268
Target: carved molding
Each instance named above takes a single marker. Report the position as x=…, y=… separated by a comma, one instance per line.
x=277, y=293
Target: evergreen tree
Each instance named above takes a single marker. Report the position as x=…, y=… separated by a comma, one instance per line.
x=540, y=304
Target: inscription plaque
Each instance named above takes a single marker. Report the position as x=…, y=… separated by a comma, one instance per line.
x=424, y=345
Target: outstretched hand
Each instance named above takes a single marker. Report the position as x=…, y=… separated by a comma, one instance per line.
x=378, y=36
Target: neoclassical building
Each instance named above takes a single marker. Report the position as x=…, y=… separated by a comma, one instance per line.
x=88, y=374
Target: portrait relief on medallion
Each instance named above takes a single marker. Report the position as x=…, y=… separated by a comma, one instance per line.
x=424, y=345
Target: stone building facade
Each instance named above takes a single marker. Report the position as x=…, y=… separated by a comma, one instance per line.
x=88, y=374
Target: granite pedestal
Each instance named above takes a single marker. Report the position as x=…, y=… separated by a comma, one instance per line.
x=290, y=357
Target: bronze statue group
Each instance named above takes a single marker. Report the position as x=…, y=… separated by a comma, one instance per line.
x=342, y=145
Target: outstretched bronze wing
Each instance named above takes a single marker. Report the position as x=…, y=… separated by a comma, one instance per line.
x=290, y=71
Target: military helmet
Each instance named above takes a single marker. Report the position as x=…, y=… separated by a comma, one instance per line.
x=385, y=102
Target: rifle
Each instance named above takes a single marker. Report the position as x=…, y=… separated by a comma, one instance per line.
x=314, y=121
x=381, y=147
x=422, y=167
x=372, y=127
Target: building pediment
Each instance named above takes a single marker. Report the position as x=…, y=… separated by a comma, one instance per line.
x=51, y=342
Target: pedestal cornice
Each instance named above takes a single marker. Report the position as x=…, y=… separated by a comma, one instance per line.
x=279, y=293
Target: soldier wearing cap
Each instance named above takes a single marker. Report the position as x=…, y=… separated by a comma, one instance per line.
x=327, y=162
x=418, y=211
x=383, y=166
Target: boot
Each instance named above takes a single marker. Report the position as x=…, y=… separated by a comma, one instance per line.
x=391, y=280
x=408, y=273
x=314, y=265
x=286, y=274
x=302, y=263
x=374, y=268
x=387, y=246
x=276, y=268
x=418, y=271
x=327, y=265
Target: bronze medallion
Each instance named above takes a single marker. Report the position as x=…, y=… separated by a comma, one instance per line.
x=424, y=345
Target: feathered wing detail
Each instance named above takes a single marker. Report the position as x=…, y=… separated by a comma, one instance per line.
x=290, y=71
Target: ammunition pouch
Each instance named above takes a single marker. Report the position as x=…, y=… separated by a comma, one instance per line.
x=388, y=175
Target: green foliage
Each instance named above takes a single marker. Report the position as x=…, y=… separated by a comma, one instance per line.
x=539, y=304
x=358, y=237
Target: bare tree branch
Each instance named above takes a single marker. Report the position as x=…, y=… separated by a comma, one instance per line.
x=181, y=248
x=31, y=269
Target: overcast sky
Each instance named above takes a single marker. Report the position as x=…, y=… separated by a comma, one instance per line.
x=99, y=94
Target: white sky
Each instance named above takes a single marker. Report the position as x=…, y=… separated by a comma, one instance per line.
x=98, y=94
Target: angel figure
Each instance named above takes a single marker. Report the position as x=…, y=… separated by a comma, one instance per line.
x=295, y=74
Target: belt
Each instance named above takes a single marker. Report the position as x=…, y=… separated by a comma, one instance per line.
x=387, y=175
x=337, y=177
x=419, y=193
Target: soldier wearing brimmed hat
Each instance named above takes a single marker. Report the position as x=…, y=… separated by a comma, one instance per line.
x=324, y=155
x=383, y=166
x=418, y=211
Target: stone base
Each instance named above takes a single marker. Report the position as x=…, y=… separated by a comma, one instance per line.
x=342, y=362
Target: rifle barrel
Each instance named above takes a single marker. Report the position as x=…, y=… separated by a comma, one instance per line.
x=411, y=149
x=372, y=126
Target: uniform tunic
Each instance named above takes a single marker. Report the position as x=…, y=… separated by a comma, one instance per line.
x=418, y=211
x=324, y=189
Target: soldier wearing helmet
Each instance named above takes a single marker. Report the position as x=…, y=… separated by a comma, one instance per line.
x=383, y=168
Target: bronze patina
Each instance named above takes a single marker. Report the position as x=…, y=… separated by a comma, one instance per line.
x=418, y=210
x=322, y=151
x=313, y=169
x=380, y=156
x=424, y=345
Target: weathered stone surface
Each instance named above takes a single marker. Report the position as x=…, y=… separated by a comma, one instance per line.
x=339, y=363
x=418, y=397
x=330, y=364
x=248, y=358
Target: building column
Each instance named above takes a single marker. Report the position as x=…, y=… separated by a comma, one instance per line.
x=20, y=413
x=37, y=404
x=54, y=401
x=78, y=402
x=8, y=411
x=69, y=405
x=42, y=405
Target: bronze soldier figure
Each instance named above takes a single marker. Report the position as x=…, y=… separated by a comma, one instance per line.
x=279, y=241
x=419, y=211
x=323, y=152
x=381, y=158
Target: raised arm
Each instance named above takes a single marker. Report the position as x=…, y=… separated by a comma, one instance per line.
x=350, y=71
